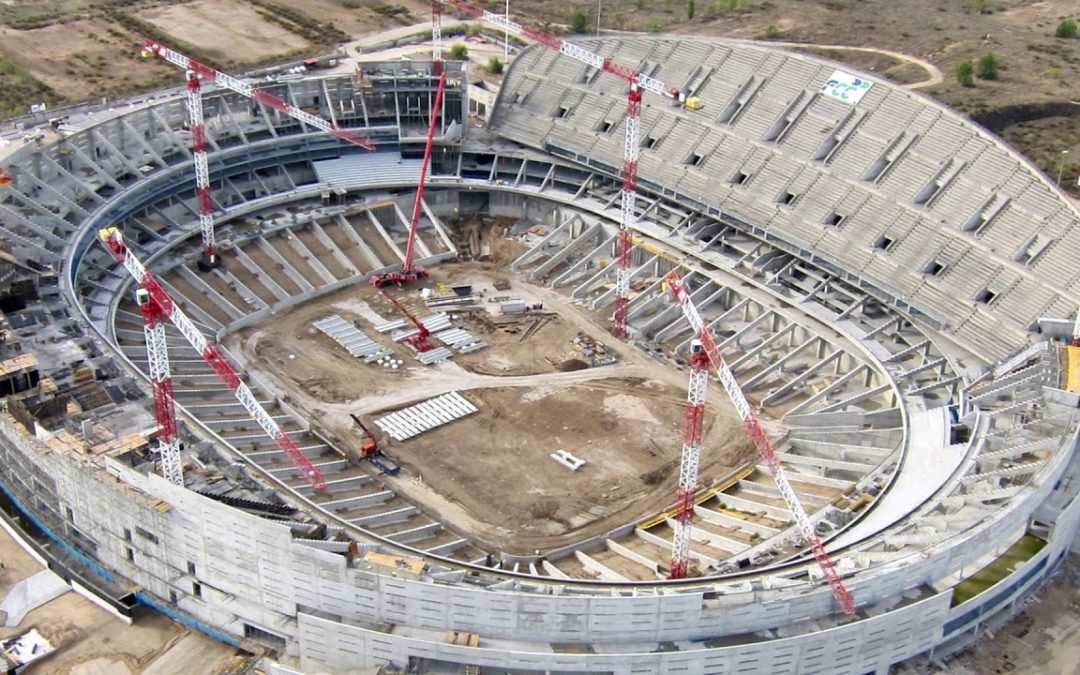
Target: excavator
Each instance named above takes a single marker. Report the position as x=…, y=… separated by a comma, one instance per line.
x=371, y=451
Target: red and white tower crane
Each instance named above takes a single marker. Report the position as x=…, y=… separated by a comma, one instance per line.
x=157, y=353
x=750, y=421
x=202, y=171
x=1075, y=329
x=691, y=458
x=436, y=34
x=638, y=83
x=114, y=241
x=410, y=271
x=197, y=71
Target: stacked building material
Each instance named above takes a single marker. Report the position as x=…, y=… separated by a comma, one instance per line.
x=430, y=414
x=349, y=336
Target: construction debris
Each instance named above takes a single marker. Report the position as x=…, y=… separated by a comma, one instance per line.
x=431, y=414
x=567, y=459
x=592, y=352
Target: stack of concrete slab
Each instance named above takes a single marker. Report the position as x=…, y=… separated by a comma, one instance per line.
x=349, y=336
x=461, y=340
x=430, y=414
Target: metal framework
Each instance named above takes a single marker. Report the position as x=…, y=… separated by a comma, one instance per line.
x=750, y=421
x=638, y=82
x=157, y=353
x=410, y=271
x=202, y=171
x=231, y=83
x=691, y=458
x=114, y=241
x=419, y=342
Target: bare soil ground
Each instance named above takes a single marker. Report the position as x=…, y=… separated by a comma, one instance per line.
x=228, y=30
x=83, y=59
x=491, y=473
x=91, y=641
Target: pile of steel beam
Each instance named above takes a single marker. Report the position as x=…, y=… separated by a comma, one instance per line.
x=430, y=414
x=460, y=340
x=437, y=355
x=350, y=337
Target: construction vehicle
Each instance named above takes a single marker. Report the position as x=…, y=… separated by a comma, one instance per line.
x=410, y=271
x=371, y=451
x=419, y=340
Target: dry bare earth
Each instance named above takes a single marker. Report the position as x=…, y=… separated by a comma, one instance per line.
x=228, y=30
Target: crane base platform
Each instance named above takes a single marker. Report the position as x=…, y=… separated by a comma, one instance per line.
x=398, y=278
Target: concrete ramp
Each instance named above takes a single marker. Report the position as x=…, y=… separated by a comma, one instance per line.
x=31, y=593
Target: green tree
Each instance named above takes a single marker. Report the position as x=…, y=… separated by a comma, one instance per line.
x=772, y=32
x=473, y=30
x=459, y=52
x=988, y=67
x=1066, y=29
x=690, y=10
x=965, y=73
x=978, y=6
x=578, y=22
x=495, y=66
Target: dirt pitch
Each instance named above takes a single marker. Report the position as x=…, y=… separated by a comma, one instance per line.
x=491, y=475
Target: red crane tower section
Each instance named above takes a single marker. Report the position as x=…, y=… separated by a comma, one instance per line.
x=410, y=271
x=638, y=83
x=114, y=241
x=4, y=179
x=157, y=352
x=691, y=458
x=202, y=171
x=750, y=421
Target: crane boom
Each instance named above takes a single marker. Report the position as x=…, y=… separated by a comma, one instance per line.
x=750, y=421
x=419, y=341
x=409, y=270
x=114, y=241
x=630, y=75
x=259, y=95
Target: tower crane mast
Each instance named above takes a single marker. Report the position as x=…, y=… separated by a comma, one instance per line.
x=677, y=286
x=638, y=82
x=202, y=171
x=114, y=241
x=157, y=353
x=691, y=459
x=1076, y=330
